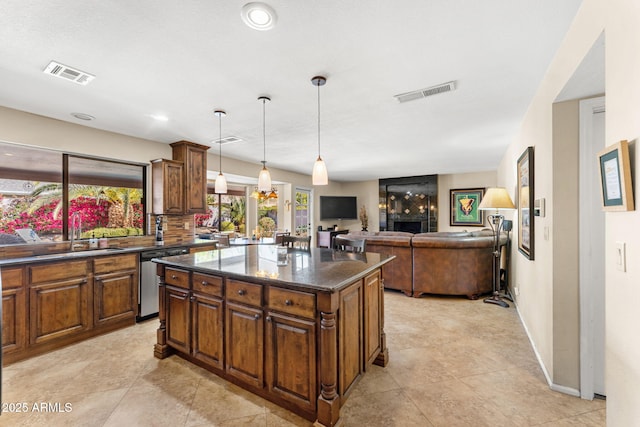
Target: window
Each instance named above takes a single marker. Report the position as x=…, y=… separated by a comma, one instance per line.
x=40, y=190
x=302, y=221
x=227, y=212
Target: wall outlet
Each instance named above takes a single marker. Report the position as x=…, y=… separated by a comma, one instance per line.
x=186, y=225
x=516, y=290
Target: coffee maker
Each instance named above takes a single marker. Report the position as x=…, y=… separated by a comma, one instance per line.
x=159, y=234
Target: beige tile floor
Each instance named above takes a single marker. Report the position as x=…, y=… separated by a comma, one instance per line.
x=453, y=362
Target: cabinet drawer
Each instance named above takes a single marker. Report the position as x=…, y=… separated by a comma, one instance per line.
x=11, y=278
x=204, y=283
x=244, y=292
x=47, y=273
x=109, y=264
x=292, y=302
x=176, y=277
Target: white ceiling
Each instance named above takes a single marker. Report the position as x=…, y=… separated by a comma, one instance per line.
x=185, y=59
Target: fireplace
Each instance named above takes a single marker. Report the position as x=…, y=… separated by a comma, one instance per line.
x=408, y=226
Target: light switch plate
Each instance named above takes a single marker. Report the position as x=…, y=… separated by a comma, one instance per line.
x=621, y=256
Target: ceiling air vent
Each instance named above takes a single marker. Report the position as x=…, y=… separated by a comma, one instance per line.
x=68, y=73
x=227, y=140
x=423, y=93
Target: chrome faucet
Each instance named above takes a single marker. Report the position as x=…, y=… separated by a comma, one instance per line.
x=76, y=228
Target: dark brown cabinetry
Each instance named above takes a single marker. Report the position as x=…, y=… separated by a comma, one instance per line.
x=194, y=158
x=115, y=288
x=58, y=300
x=49, y=305
x=167, y=186
x=14, y=310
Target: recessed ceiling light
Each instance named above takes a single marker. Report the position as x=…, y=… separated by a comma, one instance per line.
x=259, y=16
x=159, y=117
x=83, y=116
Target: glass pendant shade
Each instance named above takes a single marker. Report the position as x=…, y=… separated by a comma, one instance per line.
x=221, y=184
x=264, y=179
x=320, y=175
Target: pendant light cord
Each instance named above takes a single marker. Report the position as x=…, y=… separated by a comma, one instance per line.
x=220, y=142
x=318, y=84
x=264, y=138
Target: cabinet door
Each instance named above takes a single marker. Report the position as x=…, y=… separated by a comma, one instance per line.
x=115, y=297
x=291, y=360
x=167, y=187
x=208, y=330
x=196, y=181
x=372, y=317
x=14, y=315
x=244, y=344
x=350, y=329
x=178, y=318
x=58, y=309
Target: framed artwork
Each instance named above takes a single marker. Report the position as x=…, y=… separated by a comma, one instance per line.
x=464, y=207
x=526, y=203
x=615, y=178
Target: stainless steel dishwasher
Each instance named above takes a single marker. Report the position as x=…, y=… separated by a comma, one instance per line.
x=148, y=290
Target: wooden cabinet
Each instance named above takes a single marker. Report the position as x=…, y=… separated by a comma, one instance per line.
x=115, y=288
x=244, y=335
x=47, y=305
x=351, y=335
x=372, y=317
x=167, y=186
x=58, y=300
x=290, y=352
x=14, y=310
x=202, y=248
x=194, y=158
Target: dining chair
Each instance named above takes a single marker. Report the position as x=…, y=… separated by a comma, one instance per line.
x=345, y=244
x=297, y=242
x=280, y=235
x=223, y=240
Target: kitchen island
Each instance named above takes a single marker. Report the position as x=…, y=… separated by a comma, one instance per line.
x=300, y=335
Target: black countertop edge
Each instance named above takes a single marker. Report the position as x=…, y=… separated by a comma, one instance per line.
x=271, y=281
x=90, y=253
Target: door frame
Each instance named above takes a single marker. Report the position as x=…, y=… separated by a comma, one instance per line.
x=587, y=108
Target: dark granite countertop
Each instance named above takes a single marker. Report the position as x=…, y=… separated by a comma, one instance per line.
x=321, y=269
x=97, y=252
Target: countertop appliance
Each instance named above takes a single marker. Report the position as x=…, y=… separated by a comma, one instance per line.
x=148, y=287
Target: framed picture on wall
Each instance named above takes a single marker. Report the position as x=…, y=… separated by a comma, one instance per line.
x=464, y=207
x=615, y=178
x=526, y=203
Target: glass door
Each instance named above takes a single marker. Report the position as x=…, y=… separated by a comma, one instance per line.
x=302, y=220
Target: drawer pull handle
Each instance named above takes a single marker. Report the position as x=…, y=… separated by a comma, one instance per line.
x=268, y=319
x=256, y=316
x=205, y=283
x=241, y=292
x=173, y=276
x=288, y=302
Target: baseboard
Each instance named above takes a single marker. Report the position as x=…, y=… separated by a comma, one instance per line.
x=555, y=387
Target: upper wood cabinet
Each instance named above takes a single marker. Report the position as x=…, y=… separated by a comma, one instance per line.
x=167, y=186
x=194, y=159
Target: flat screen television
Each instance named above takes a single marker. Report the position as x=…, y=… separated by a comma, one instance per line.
x=338, y=207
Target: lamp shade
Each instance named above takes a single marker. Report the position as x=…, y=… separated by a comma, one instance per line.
x=320, y=175
x=264, y=179
x=496, y=198
x=221, y=184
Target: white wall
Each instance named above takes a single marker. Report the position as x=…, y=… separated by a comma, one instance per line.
x=620, y=19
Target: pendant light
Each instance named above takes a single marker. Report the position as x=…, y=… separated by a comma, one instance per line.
x=264, y=179
x=319, y=175
x=221, y=181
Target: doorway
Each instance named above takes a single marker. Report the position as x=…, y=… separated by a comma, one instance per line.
x=591, y=247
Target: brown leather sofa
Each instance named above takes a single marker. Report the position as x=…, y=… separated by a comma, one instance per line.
x=443, y=263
